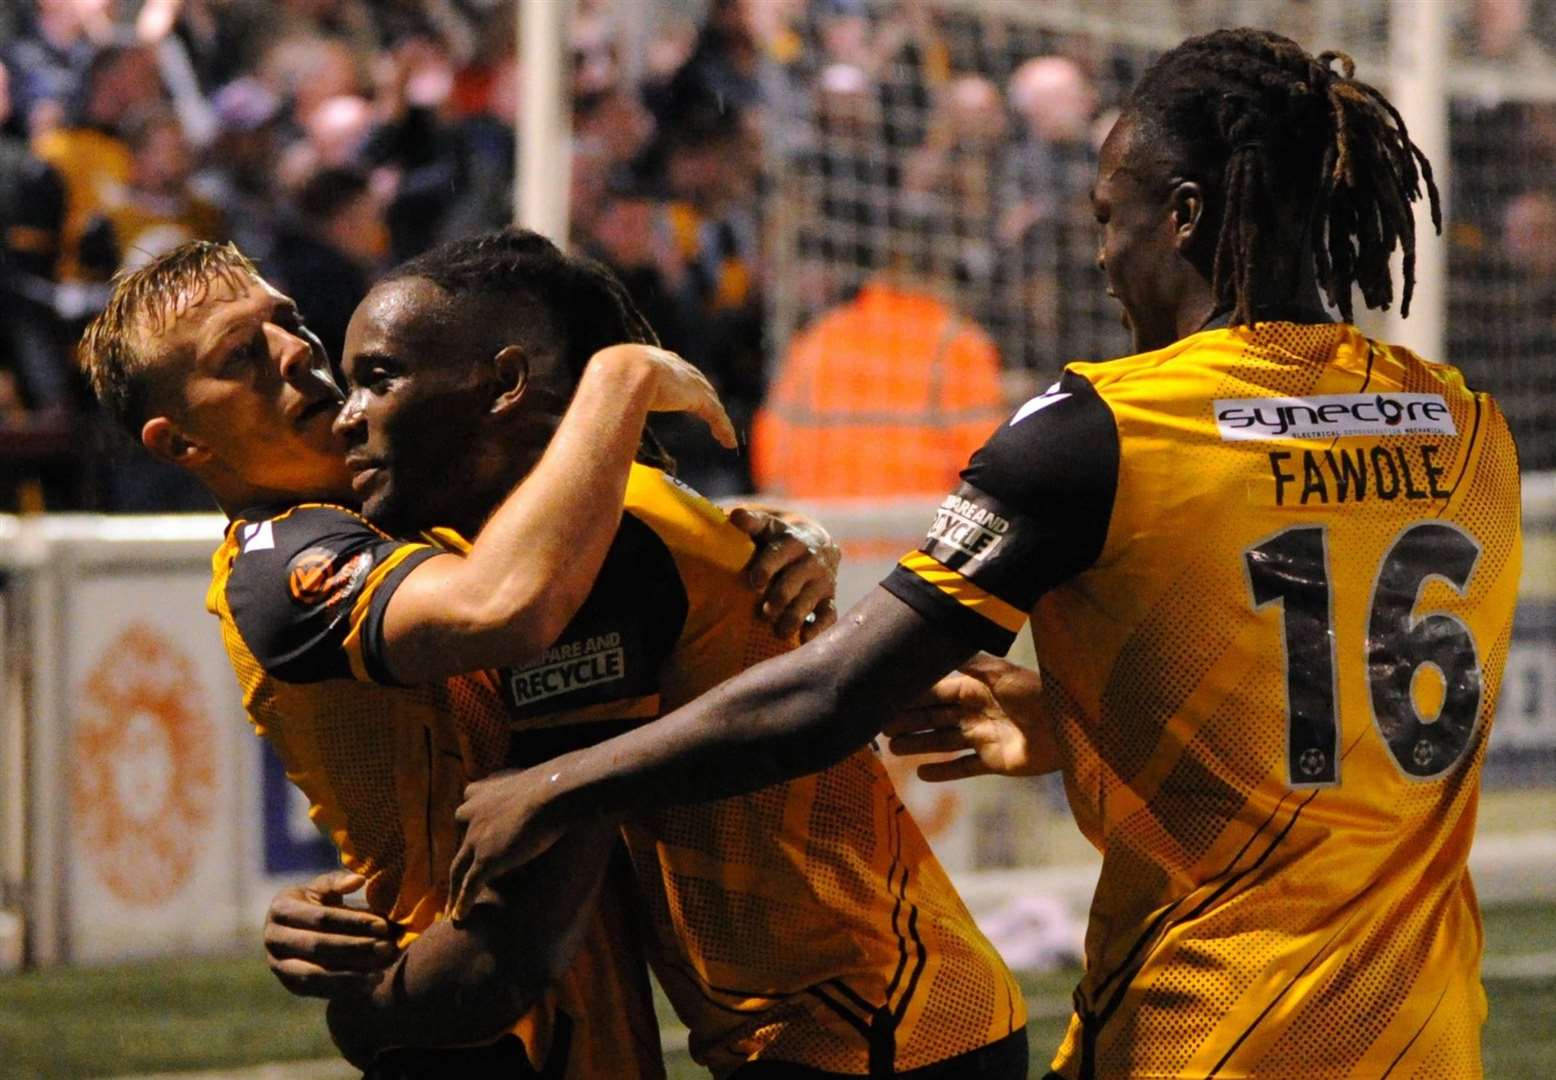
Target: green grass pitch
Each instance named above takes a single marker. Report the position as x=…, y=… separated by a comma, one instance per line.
x=227, y=1012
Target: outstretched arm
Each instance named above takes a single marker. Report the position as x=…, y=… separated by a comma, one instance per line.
x=468, y=984
x=792, y=715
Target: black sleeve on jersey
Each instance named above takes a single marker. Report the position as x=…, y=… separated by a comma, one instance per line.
x=613, y=650
x=1031, y=512
x=294, y=583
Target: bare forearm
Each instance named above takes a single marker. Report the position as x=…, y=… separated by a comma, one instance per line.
x=450, y=988
x=791, y=716
x=465, y=983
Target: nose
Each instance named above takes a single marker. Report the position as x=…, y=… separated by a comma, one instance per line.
x=349, y=421
x=294, y=358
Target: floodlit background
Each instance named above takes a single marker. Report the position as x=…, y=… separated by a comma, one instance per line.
x=747, y=167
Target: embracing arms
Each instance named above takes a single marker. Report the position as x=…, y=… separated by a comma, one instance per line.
x=453, y=985
x=792, y=715
x=536, y=559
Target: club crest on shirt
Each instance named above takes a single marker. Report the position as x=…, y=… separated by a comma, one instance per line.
x=318, y=575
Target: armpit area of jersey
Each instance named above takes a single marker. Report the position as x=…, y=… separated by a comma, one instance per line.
x=1032, y=511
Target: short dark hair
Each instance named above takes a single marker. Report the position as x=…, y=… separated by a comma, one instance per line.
x=586, y=305
x=1276, y=129
x=114, y=351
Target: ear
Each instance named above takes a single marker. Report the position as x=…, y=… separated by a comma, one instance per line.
x=512, y=366
x=1186, y=208
x=166, y=442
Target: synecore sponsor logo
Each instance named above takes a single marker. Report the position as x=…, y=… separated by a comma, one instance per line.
x=571, y=666
x=1326, y=416
x=967, y=527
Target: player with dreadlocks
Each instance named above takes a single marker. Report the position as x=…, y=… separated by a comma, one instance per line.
x=1270, y=565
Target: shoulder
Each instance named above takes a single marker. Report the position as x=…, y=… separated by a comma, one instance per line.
x=688, y=526
x=293, y=581
x=1173, y=365
x=1057, y=440
x=294, y=538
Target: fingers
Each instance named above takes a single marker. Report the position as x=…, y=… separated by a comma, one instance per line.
x=812, y=594
x=310, y=980
x=707, y=406
x=939, y=772
x=826, y=618
x=753, y=523
x=776, y=550
x=722, y=426
x=926, y=718
x=331, y=952
x=332, y=886
x=298, y=910
x=464, y=882
x=952, y=693
x=944, y=741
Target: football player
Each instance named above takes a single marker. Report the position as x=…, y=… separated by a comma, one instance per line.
x=353, y=649
x=803, y=930
x=1270, y=565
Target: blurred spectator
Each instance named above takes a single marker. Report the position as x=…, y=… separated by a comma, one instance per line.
x=723, y=71
x=239, y=175
x=711, y=172
x=1514, y=32
x=50, y=56
x=156, y=210
x=845, y=176
x=887, y=394
x=32, y=215
x=1514, y=322
x=90, y=155
x=1046, y=229
x=619, y=124
x=309, y=69
x=953, y=187
x=329, y=250
x=628, y=234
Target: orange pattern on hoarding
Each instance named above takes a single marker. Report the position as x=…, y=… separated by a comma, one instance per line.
x=144, y=767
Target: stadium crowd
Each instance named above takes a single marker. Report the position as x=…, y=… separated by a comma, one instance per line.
x=331, y=139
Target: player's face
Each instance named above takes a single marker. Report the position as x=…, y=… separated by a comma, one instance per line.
x=258, y=393
x=414, y=407
x=1136, y=251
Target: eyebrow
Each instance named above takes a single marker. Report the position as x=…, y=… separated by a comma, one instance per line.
x=248, y=322
x=351, y=363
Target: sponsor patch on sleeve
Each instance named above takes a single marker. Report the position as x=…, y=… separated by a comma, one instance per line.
x=965, y=529
x=1329, y=416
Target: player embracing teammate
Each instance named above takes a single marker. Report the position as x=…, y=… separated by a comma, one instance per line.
x=1268, y=677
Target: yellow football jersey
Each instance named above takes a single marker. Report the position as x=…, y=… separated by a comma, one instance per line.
x=301, y=592
x=808, y=923
x=1271, y=575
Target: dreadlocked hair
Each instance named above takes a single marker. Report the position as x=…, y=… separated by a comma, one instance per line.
x=587, y=304
x=1276, y=130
